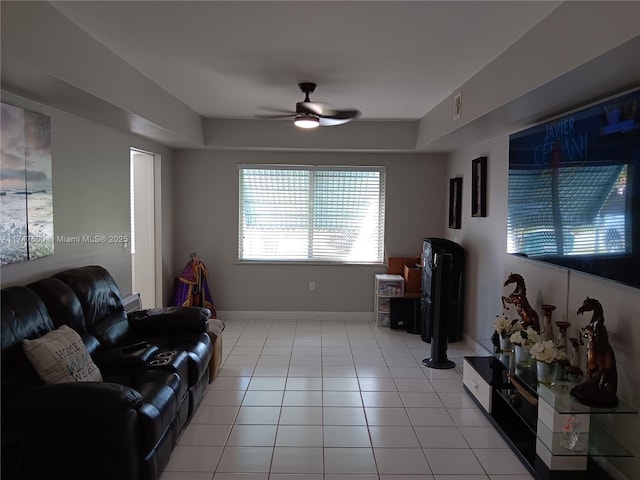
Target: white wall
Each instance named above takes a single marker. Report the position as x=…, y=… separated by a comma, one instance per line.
x=489, y=266
x=206, y=217
x=90, y=169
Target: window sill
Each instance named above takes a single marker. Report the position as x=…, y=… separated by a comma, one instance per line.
x=309, y=263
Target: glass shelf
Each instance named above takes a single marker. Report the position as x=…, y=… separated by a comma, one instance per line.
x=558, y=395
x=597, y=443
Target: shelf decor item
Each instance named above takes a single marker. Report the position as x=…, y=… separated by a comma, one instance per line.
x=479, y=187
x=546, y=372
x=523, y=340
x=546, y=329
x=574, y=368
x=546, y=355
x=522, y=356
x=505, y=344
x=601, y=382
x=518, y=297
x=455, y=202
x=570, y=428
x=561, y=341
x=504, y=327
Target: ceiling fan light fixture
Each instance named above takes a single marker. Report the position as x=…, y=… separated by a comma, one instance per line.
x=306, y=121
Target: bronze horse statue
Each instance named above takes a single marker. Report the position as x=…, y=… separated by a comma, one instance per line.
x=518, y=297
x=601, y=383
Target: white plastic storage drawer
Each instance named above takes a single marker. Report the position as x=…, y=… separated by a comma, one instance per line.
x=478, y=387
x=384, y=319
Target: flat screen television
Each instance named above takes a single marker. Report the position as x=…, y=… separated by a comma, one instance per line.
x=574, y=190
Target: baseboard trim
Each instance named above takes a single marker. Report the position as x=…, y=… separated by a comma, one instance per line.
x=254, y=316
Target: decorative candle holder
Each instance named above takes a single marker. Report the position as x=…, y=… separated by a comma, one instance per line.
x=574, y=367
x=561, y=341
x=547, y=329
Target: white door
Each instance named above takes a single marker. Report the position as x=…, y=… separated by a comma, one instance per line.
x=143, y=227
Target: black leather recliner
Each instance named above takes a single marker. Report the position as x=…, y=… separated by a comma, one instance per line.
x=154, y=364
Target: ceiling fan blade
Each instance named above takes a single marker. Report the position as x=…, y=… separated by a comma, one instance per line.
x=331, y=122
x=343, y=114
x=320, y=108
x=277, y=110
x=287, y=115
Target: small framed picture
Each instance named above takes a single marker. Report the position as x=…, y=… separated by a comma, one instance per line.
x=455, y=202
x=479, y=187
x=457, y=106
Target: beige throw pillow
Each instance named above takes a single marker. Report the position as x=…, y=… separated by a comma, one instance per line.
x=60, y=356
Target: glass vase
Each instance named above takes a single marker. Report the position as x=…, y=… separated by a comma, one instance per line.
x=573, y=442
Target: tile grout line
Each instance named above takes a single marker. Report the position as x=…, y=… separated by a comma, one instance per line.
x=379, y=342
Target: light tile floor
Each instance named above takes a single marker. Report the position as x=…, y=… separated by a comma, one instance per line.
x=337, y=400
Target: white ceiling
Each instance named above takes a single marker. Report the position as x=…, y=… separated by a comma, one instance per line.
x=392, y=60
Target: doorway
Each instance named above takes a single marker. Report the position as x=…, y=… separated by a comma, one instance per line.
x=144, y=186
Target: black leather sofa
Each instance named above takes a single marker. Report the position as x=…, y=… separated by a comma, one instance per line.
x=154, y=365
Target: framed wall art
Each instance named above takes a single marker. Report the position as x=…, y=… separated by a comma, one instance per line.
x=479, y=187
x=455, y=202
x=26, y=196
x=457, y=106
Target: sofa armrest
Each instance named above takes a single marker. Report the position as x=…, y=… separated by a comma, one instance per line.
x=74, y=431
x=75, y=401
x=169, y=320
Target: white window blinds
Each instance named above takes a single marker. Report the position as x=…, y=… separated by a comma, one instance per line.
x=311, y=213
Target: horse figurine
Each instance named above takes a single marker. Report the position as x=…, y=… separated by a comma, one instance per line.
x=518, y=297
x=601, y=383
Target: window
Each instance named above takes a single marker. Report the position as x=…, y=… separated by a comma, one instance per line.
x=311, y=213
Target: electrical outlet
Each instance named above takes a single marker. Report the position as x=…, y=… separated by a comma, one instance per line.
x=312, y=285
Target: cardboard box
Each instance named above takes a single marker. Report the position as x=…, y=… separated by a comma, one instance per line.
x=395, y=265
x=413, y=262
x=216, y=359
x=412, y=279
x=215, y=327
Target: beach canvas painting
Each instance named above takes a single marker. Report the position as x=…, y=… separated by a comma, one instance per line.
x=26, y=196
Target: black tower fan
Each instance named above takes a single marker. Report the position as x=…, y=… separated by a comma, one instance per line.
x=449, y=290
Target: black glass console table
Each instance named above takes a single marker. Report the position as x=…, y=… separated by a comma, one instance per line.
x=531, y=417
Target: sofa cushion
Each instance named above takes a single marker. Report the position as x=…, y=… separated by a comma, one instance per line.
x=60, y=356
x=96, y=289
x=62, y=303
x=64, y=308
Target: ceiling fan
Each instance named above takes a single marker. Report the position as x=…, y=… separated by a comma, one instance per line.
x=310, y=114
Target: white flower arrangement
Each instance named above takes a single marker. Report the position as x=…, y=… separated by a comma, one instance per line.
x=525, y=338
x=504, y=326
x=546, y=351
